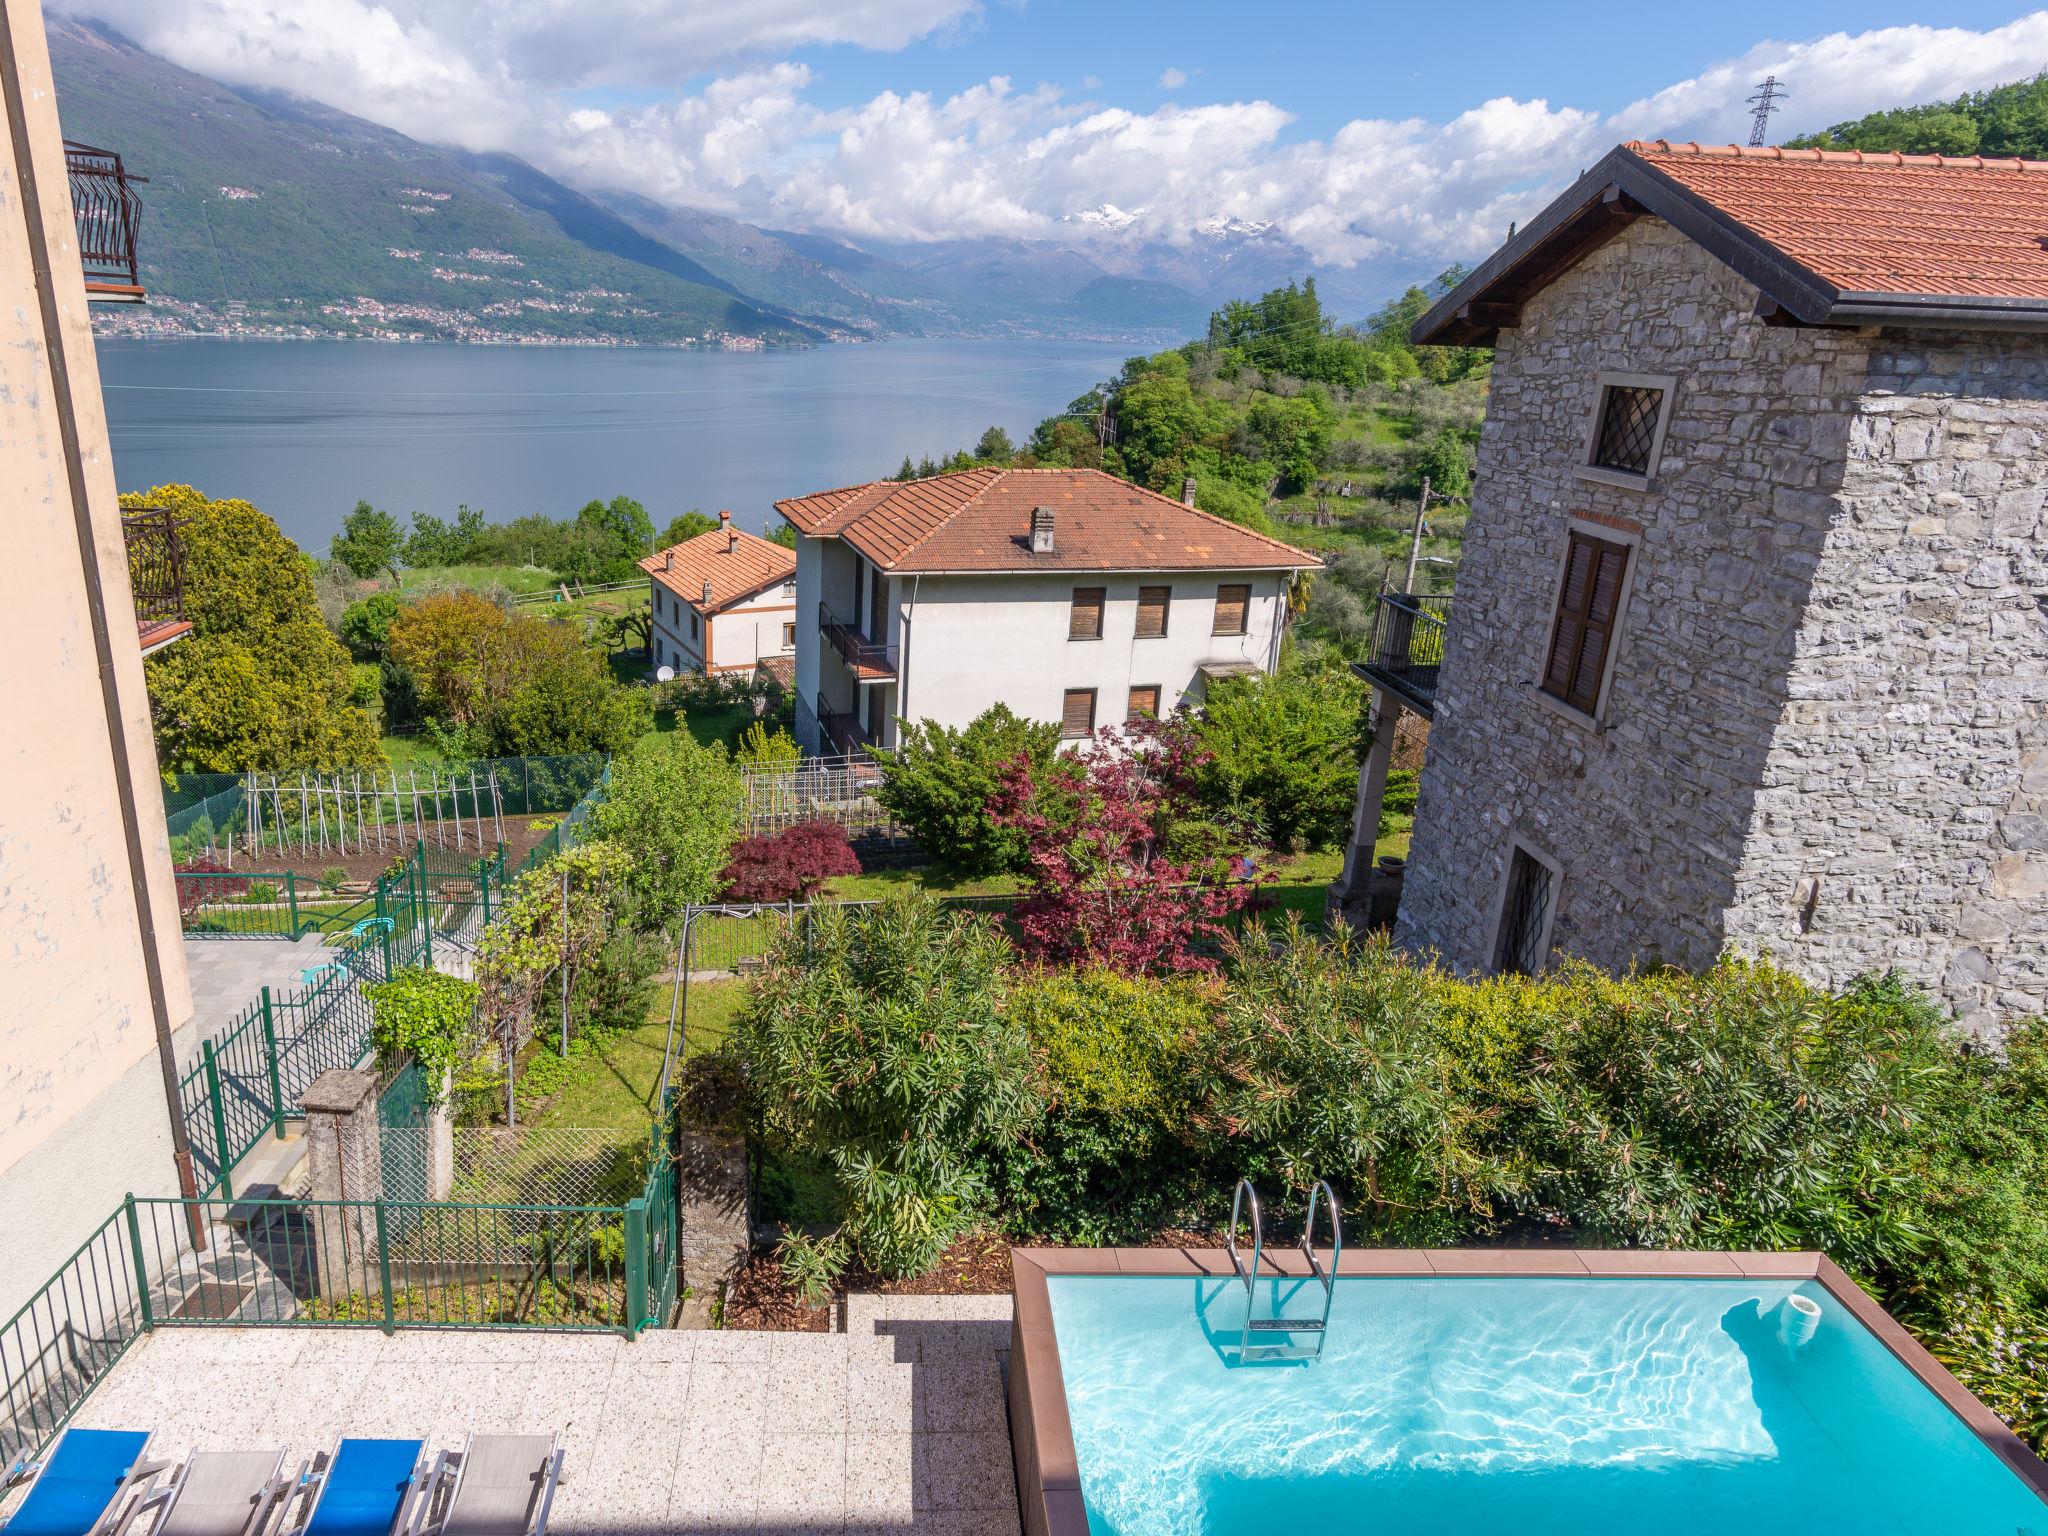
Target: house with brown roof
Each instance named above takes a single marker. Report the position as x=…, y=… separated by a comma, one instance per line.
x=1749, y=647
x=723, y=601
x=1066, y=594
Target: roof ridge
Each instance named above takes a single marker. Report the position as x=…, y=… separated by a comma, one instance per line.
x=995, y=476
x=1829, y=156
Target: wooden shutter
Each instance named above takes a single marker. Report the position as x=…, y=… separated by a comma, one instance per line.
x=1233, y=605
x=1144, y=701
x=1077, y=715
x=1152, y=604
x=1582, y=633
x=1085, y=622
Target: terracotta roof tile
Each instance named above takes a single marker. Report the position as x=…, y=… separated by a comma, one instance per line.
x=980, y=520
x=753, y=563
x=1924, y=225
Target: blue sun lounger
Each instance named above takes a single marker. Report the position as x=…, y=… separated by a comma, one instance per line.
x=83, y=1484
x=364, y=1488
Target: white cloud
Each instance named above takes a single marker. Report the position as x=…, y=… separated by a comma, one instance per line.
x=995, y=158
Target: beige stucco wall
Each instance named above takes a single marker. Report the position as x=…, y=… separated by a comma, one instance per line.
x=77, y=1041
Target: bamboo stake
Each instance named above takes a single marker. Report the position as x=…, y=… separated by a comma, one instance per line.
x=497, y=807
x=419, y=832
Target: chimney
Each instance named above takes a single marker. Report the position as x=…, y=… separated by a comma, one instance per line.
x=1041, y=530
x=1187, y=491
x=706, y=604
x=668, y=559
x=732, y=535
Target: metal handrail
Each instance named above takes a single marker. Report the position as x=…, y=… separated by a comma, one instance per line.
x=1321, y=1189
x=855, y=648
x=1250, y=1278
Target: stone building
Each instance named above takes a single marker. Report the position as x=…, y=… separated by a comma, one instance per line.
x=1749, y=649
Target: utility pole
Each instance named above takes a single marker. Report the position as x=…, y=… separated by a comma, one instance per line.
x=1415, y=543
x=1764, y=103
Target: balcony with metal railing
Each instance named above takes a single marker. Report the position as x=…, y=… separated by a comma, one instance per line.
x=843, y=733
x=108, y=211
x=1408, y=647
x=871, y=661
x=156, y=575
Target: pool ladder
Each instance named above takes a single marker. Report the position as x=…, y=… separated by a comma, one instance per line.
x=1320, y=1191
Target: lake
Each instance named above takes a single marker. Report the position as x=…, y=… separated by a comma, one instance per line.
x=305, y=428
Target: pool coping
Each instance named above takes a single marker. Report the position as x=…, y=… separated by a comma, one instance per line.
x=1042, y=1435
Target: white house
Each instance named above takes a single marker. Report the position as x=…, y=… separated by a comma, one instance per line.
x=1066, y=594
x=721, y=602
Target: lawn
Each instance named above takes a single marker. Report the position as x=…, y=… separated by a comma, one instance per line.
x=513, y=578
x=611, y=1080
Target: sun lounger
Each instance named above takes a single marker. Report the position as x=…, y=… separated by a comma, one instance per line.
x=82, y=1485
x=364, y=1488
x=496, y=1485
x=219, y=1493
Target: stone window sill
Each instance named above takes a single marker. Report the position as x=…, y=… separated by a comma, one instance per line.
x=1619, y=479
x=1564, y=711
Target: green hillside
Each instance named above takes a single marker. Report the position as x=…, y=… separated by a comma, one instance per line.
x=267, y=214
x=2004, y=122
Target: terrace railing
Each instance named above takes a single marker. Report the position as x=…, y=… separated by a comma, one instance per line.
x=868, y=658
x=108, y=212
x=1407, y=647
x=156, y=574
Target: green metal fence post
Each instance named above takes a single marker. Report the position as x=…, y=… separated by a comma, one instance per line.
x=484, y=879
x=291, y=896
x=220, y=1119
x=141, y=1269
x=636, y=1264
x=270, y=1057
x=384, y=1271
x=425, y=912
x=384, y=923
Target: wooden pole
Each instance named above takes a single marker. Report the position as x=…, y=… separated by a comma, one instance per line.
x=1415, y=543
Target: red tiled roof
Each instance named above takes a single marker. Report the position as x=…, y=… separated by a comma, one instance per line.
x=1932, y=225
x=980, y=520
x=752, y=564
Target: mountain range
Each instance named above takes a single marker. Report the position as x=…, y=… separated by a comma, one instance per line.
x=268, y=214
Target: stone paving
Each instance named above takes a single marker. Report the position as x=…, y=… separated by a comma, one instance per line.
x=898, y=1425
x=228, y=974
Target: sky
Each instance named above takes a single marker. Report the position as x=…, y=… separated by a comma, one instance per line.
x=1362, y=130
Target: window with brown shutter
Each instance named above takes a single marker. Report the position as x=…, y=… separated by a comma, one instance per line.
x=1077, y=714
x=1233, y=606
x=789, y=637
x=1144, y=703
x=1085, y=622
x=1582, y=633
x=1152, y=605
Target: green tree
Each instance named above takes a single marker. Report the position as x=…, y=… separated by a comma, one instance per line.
x=261, y=682
x=621, y=531
x=785, y=534
x=557, y=922
x=679, y=807
x=1447, y=461
x=366, y=625
x=939, y=780
x=877, y=1041
x=683, y=527
x=1283, y=753
x=995, y=447
x=369, y=542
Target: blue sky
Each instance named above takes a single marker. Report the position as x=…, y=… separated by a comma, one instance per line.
x=1364, y=132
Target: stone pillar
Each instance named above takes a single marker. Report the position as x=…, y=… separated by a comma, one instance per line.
x=346, y=1158
x=440, y=1134
x=711, y=1185
x=1350, y=890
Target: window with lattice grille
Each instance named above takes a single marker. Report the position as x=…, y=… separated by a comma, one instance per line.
x=1523, y=944
x=1627, y=435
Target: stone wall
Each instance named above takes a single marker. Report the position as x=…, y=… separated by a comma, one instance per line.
x=1830, y=665
x=1902, y=819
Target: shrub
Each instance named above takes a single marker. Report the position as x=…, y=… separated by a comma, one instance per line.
x=366, y=625
x=1282, y=752
x=429, y=1016
x=676, y=807
x=789, y=865
x=192, y=892
x=876, y=1040
x=760, y=747
x=938, y=783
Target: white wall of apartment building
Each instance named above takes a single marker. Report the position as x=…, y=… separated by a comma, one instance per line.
x=731, y=640
x=967, y=642
x=83, y=1115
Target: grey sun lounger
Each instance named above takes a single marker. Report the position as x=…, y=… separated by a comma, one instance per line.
x=496, y=1485
x=219, y=1493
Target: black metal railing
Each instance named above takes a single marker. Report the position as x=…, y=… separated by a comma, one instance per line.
x=156, y=566
x=108, y=211
x=854, y=648
x=1408, y=645
x=843, y=732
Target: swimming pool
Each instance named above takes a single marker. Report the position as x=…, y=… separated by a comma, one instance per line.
x=1523, y=1404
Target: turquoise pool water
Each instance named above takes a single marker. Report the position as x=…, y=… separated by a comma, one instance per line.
x=1514, y=1408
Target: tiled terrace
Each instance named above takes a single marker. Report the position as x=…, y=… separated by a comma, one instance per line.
x=228, y=974
x=898, y=1425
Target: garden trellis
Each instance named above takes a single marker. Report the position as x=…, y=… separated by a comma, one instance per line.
x=374, y=810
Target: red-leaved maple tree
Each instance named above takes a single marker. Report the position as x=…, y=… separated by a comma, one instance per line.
x=1101, y=892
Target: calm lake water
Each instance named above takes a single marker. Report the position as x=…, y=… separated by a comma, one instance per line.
x=304, y=429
